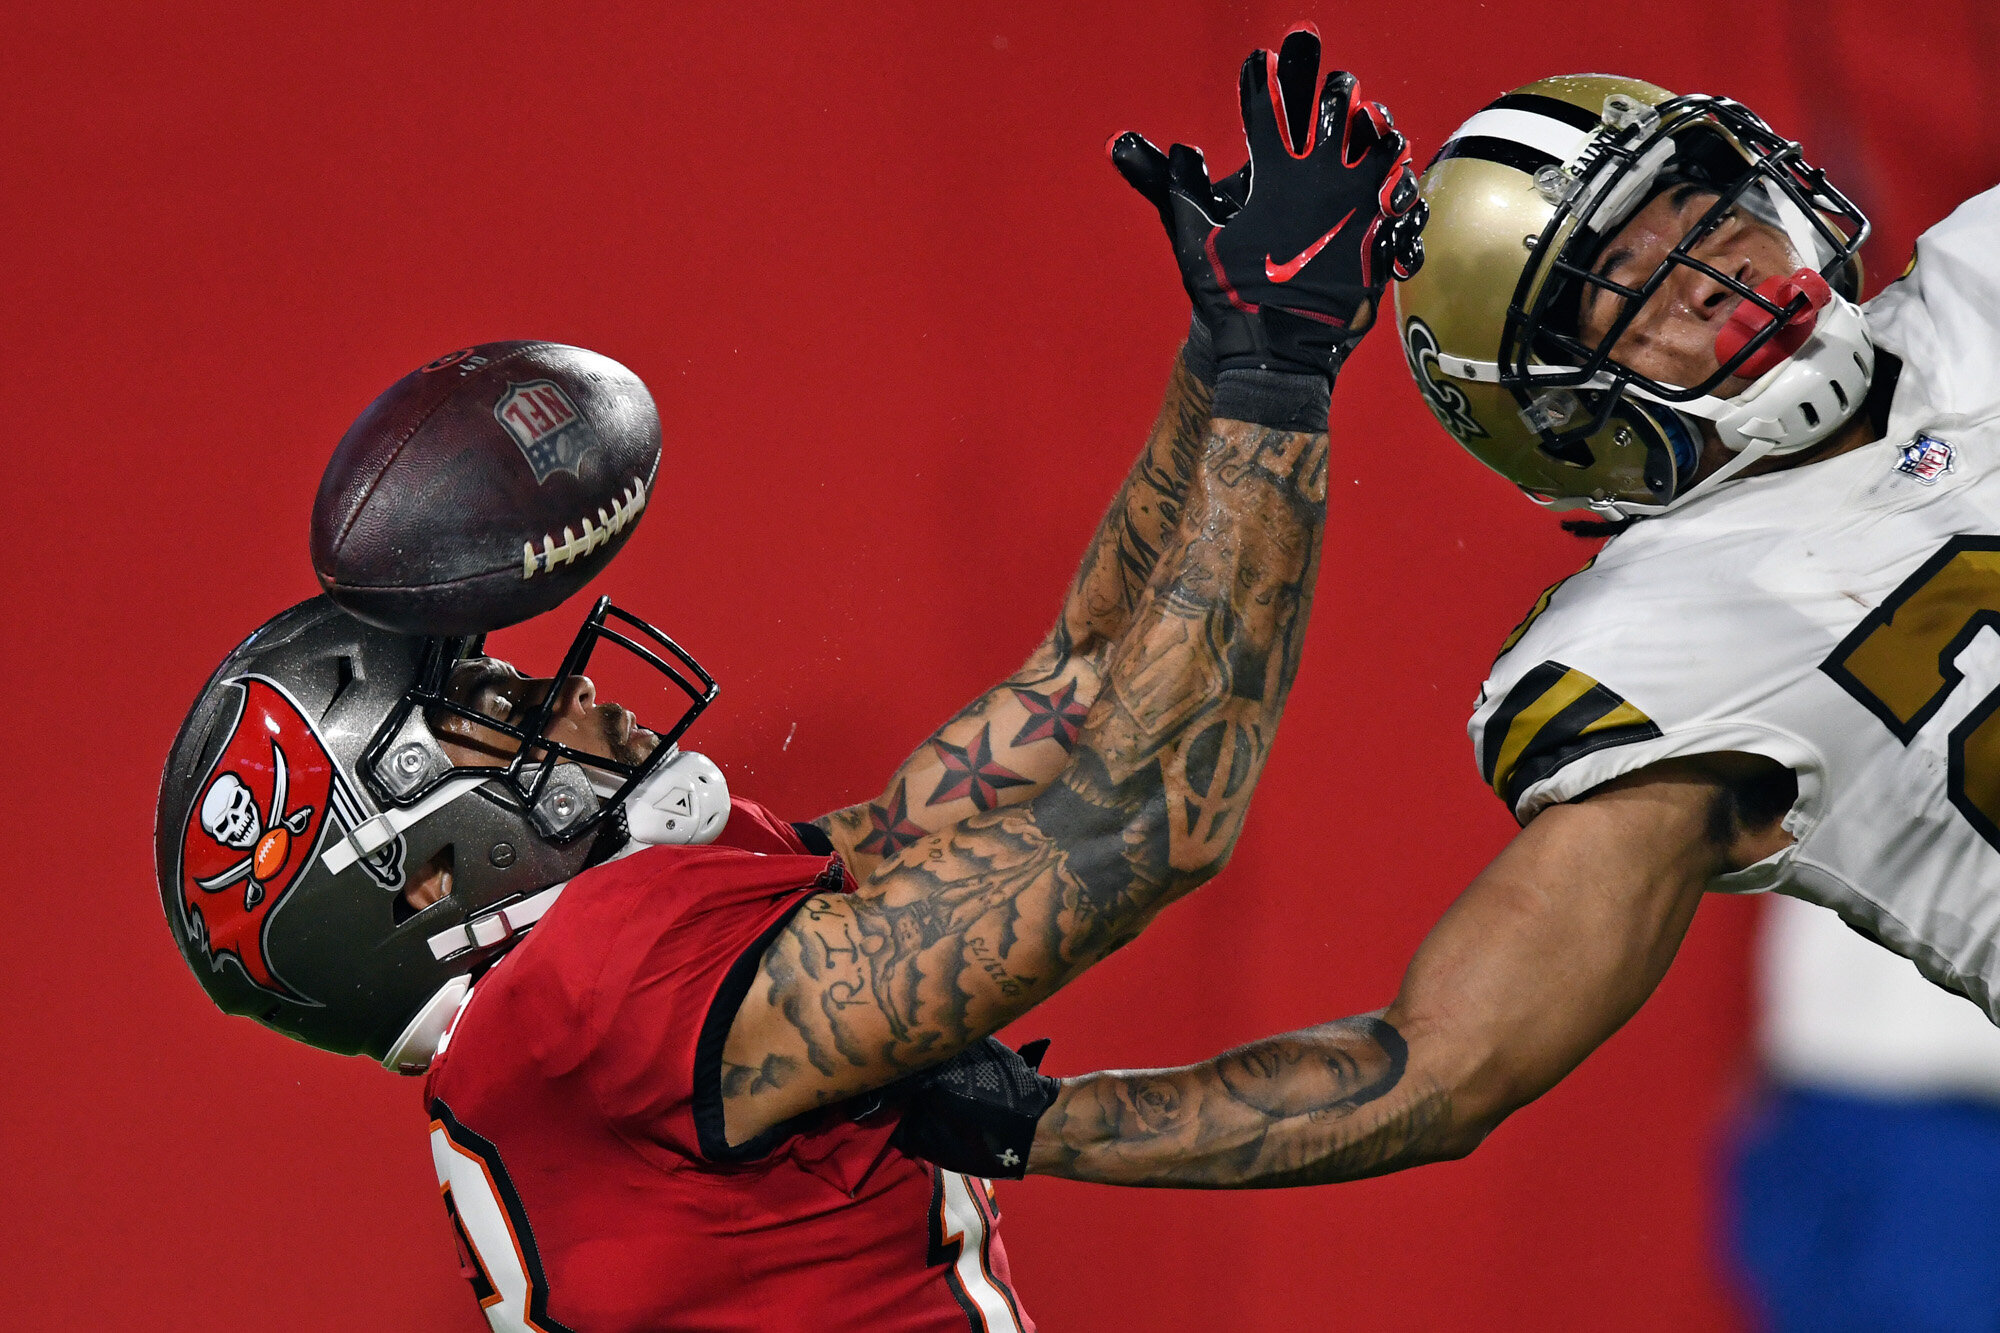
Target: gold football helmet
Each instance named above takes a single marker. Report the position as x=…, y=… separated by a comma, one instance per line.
x=1524, y=195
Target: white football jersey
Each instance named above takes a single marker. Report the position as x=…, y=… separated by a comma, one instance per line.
x=1841, y=617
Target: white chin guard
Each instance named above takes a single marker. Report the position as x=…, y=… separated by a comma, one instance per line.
x=1796, y=404
x=1804, y=398
x=685, y=800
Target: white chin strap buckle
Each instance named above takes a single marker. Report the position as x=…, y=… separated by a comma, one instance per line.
x=684, y=801
x=373, y=834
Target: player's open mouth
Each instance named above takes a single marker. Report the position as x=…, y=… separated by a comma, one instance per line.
x=630, y=742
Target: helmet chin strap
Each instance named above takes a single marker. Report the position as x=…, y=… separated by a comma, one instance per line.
x=1743, y=458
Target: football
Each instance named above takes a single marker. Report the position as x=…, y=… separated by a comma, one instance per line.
x=485, y=487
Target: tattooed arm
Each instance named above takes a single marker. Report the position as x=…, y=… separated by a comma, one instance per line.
x=1550, y=950
x=966, y=929
x=1009, y=743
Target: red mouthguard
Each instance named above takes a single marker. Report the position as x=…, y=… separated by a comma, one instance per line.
x=1750, y=319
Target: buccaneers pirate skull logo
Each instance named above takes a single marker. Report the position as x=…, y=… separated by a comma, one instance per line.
x=253, y=831
x=229, y=815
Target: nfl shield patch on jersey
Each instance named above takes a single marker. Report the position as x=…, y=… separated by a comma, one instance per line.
x=1926, y=458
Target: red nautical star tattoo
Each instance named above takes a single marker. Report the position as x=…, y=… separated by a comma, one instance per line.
x=1051, y=717
x=969, y=771
x=890, y=828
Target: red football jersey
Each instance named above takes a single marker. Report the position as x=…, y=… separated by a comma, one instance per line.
x=576, y=1122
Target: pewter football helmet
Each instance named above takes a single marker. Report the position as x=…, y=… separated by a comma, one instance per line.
x=306, y=787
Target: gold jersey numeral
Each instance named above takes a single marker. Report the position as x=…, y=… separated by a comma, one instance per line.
x=1900, y=663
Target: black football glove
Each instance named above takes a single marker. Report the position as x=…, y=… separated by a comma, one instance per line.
x=1289, y=279
x=976, y=1113
x=1145, y=167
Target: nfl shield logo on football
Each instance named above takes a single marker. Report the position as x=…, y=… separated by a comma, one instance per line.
x=553, y=436
x=1926, y=458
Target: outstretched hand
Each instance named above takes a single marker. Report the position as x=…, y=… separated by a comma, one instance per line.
x=1286, y=259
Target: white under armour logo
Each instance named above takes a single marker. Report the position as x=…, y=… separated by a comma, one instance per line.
x=1010, y=1158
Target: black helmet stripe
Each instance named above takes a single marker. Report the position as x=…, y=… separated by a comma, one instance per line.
x=1525, y=131
x=1567, y=112
x=1506, y=152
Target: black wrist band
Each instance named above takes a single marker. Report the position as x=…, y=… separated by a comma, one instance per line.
x=1198, y=355
x=1273, y=398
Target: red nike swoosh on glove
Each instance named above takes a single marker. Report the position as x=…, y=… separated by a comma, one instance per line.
x=1287, y=271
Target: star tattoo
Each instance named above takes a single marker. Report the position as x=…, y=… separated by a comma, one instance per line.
x=891, y=829
x=1054, y=717
x=969, y=771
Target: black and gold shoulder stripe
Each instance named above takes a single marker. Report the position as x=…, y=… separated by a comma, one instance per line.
x=1553, y=715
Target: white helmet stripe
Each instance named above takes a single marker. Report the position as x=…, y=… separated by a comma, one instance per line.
x=1544, y=134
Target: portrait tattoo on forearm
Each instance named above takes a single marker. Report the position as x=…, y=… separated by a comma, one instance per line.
x=1327, y=1104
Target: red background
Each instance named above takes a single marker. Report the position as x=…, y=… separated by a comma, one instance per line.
x=906, y=328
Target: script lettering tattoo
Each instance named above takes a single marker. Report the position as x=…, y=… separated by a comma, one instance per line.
x=833, y=955
x=982, y=953
x=962, y=931
x=1143, y=519
x=1326, y=1104
x=738, y=1080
